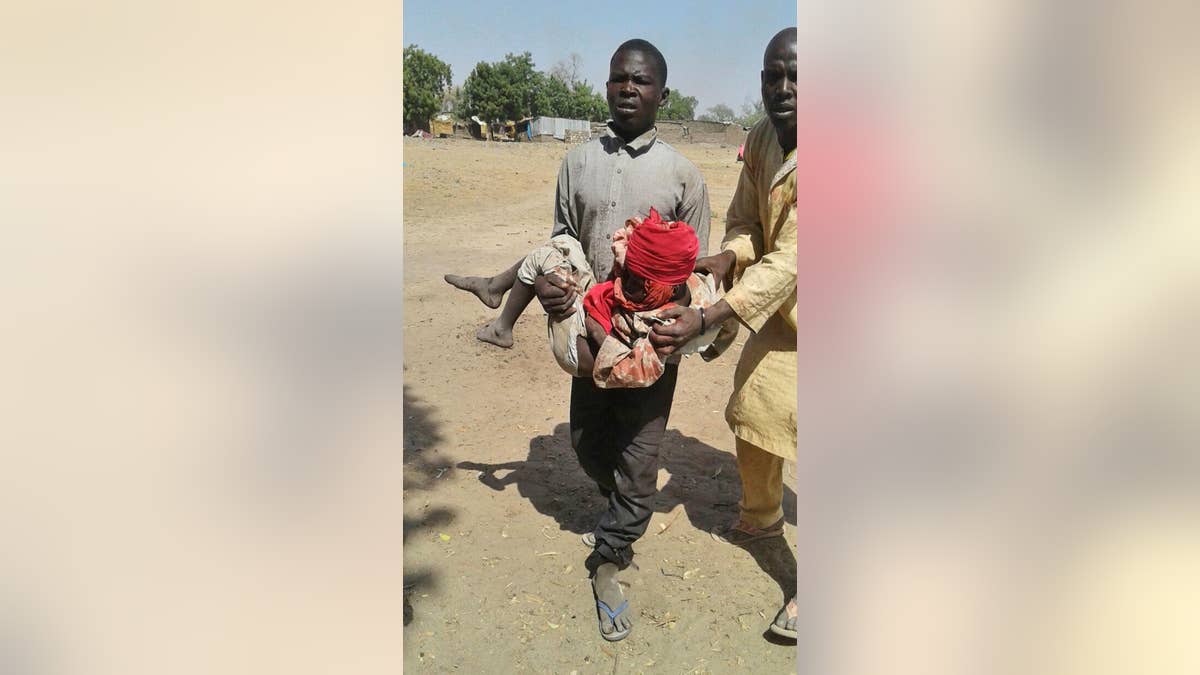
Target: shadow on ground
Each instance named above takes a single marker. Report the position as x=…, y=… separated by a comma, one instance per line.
x=421, y=435
x=703, y=481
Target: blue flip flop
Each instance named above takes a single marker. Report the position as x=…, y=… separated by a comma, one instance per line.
x=612, y=617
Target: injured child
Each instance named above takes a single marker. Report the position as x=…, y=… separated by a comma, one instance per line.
x=606, y=337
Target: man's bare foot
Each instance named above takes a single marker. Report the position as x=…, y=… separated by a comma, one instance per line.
x=492, y=334
x=480, y=286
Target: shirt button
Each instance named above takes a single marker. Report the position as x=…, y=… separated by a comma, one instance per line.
x=618, y=171
x=614, y=203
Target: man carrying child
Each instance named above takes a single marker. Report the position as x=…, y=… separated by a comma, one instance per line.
x=616, y=432
x=630, y=184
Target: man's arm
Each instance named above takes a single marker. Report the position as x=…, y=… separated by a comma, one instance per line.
x=743, y=231
x=695, y=209
x=766, y=284
x=760, y=291
x=565, y=221
x=556, y=295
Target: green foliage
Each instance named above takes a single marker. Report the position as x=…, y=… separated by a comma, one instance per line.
x=505, y=90
x=719, y=113
x=752, y=112
x=483, y=93
x=555, y=98
x=586, y=104
x=552, y=97
x=678, y=107
x=426, y=78
x=511, y=90
x=568, y=69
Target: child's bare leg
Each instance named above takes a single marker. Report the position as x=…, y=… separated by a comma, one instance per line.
x=498, y=331
x=489, y=290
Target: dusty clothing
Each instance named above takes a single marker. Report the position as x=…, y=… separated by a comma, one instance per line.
x=605, y=182
x=563, y=256
x=762, y=484
x=616, y=432
x=616, y=435
x=662, y=254
x=627, y=359
x=761, y=231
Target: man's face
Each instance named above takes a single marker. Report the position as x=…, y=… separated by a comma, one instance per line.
x=779, y=84
x=634, y=92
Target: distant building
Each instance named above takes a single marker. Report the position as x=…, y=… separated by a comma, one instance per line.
x=694, y=131
x=558, y=128
x=700, y=131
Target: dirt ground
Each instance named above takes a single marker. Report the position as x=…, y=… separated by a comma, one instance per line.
x=494, y=499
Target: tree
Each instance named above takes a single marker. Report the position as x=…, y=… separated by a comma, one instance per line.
x=678, y=107
x=511, y=90
x=552, y=97
x=752, y=112
x=451, y=100
x=587, y=104
x=483, y=93
x=567, y=70
x=555, y=99
x=505, y=90
x=718, y=113
x=426, y=78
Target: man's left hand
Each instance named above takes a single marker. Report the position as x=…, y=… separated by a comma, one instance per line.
x=666, y=339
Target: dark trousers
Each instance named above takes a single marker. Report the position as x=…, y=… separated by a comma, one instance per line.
x=616, y=434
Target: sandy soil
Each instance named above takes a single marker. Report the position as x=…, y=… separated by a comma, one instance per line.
x=494, y=499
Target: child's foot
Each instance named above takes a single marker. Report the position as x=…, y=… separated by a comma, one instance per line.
x=493, y=334
x=480, y=286
x=611, y=606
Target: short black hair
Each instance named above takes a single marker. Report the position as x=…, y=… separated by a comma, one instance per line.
x=640, y=45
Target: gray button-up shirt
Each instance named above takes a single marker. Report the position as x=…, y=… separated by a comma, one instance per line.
x=606, y=181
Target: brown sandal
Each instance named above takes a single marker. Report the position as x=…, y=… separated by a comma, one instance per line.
x=740, y=533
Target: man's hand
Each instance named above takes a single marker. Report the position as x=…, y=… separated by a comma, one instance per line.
x=666, y=339
x=556, y=295
x=719, y=266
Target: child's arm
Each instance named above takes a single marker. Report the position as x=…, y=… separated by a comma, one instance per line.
x=595, y=333
x=588, y=347
x=686, y=298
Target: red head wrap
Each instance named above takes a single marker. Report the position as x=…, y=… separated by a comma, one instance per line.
x=662, y=251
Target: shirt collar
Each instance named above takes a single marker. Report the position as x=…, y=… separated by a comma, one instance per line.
x=788, y=166
x=638, y=144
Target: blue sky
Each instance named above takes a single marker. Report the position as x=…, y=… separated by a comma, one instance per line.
x=713, y=49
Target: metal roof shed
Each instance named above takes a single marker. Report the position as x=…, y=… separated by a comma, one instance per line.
x=558, y=127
